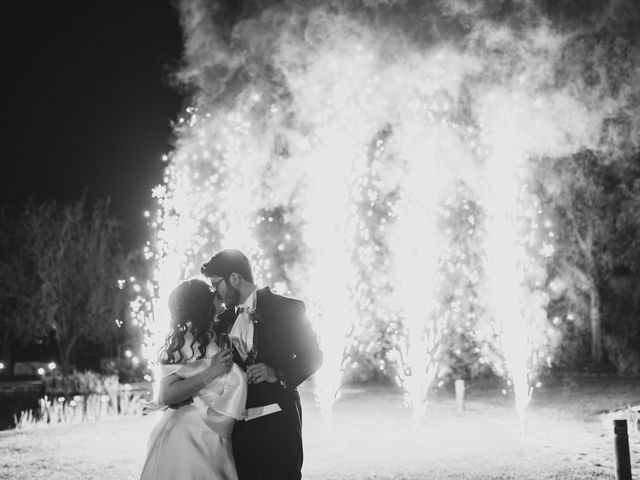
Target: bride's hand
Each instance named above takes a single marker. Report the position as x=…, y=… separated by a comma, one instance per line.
x=221, y=363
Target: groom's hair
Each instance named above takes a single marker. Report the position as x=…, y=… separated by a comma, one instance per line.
x=226, y=262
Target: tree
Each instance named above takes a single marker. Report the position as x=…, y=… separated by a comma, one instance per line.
x=79, y=260
x=460, y=303
x=18, y=285
x=598, y=65
x=621, y=292
x=594, y=203
x=584, y=212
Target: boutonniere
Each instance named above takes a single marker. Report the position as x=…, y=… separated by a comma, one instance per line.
x=257, y=320
x=255, y=317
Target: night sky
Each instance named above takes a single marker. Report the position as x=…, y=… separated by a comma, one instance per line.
x=90, y=102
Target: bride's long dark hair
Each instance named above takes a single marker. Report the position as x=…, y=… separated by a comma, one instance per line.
x=192, y=310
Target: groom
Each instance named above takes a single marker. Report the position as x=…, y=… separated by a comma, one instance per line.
x=273, y=340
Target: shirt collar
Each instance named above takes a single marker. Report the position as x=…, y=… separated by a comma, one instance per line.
x=250, y=302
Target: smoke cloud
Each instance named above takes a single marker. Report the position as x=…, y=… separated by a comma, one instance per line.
x=328, y=113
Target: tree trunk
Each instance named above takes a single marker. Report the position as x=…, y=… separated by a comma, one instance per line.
x=596, y=327
x=65, y=352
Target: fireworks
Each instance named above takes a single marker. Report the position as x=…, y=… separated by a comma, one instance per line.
x=325, y=147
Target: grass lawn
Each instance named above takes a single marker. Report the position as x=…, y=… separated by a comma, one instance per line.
x=372, y=436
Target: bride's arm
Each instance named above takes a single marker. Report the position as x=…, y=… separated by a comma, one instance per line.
x=174, y=389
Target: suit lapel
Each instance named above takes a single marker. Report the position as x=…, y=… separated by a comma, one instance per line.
x=263, y=297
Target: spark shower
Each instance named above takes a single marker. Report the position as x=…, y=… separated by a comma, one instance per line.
x=325, y=139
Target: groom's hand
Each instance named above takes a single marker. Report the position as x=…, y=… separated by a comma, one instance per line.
x=259, y=372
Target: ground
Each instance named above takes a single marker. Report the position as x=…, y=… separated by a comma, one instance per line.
x=372, y=435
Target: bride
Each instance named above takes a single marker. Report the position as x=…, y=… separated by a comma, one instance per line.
x=192, y=440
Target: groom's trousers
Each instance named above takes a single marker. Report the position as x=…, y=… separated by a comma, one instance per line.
x=270, y=447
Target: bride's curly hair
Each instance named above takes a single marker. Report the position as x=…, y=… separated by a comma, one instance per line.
x=192, y=310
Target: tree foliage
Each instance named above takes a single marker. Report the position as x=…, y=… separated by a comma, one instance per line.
x=596, y=209
x=60, y=269
x=464, y=353
x=19, y=283
x=79, y=260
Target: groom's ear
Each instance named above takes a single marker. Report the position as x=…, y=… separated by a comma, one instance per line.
x=234, y=279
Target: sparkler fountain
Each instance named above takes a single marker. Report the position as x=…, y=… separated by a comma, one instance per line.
x=506, y=264
x=290, y=99
x=416, y=256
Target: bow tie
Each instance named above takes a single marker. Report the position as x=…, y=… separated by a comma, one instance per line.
x=242, y=309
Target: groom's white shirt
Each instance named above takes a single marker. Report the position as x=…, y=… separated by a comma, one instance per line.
x=241, y=335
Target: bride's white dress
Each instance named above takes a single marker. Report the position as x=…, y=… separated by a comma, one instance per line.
x=194, y=442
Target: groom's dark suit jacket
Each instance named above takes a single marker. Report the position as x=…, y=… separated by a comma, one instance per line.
x=284, y=341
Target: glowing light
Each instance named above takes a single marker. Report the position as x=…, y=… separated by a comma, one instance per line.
x=1, y=366
x=51, y=365
x=512, y=215
x=416, y=257
x=331, y=176
x=41, y=371
x=127, y=353
x=547, y=250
